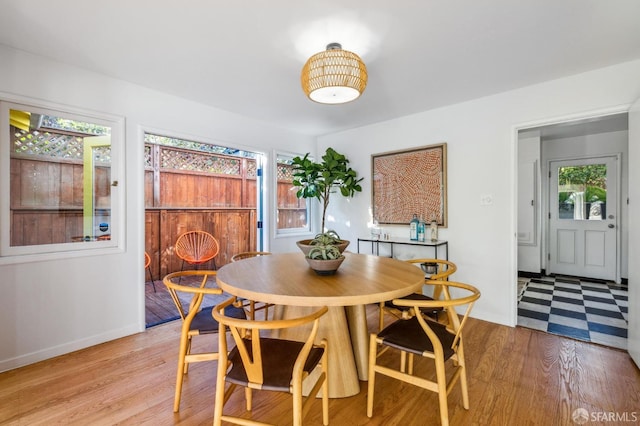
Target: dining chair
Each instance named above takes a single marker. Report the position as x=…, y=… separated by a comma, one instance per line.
x=434, y=269
x=258, y=362
x=251, y=305
x=427, y=338
x=197, y=248
x=147, y=267
x=188, y=298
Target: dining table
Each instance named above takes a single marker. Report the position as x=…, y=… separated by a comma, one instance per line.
x=286, y=280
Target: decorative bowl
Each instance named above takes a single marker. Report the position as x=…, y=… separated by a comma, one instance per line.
x=325, y=267
x=429, y=268
x=304, y=245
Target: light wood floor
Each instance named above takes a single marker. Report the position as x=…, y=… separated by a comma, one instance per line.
x=517, y=376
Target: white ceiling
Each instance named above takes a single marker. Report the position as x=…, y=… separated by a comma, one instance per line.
x=245, y=56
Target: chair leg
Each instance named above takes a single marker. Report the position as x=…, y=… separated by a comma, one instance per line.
x=442, y=391
x=373, y=346
x=248, y=398
x=325, y=384
x=153, y=282
x=403, y=361
x=463, y=376
x=220, y=392
x=182, y=369
x=381, y=317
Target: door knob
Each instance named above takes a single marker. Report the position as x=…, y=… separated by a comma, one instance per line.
x=611, y=225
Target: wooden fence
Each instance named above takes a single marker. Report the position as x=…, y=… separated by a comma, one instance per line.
x=184, y=191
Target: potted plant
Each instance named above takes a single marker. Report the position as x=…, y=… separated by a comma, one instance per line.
x=324, y=259
x=329, y=238
x=320, y=180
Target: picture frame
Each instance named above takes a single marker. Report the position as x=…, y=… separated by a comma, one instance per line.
x=408, y=182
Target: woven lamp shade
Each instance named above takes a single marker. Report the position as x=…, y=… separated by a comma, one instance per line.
x=334, y=76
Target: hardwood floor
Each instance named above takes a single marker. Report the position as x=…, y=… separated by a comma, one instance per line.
x=517, y=376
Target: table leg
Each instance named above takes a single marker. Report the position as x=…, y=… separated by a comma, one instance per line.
x=343, y=375
x=357, y=319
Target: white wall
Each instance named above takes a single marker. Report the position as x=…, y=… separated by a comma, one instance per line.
x=482, y=144
x=529, y=202
x=53, y=306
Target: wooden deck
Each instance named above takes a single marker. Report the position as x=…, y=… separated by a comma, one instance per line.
x=517, y=376
x=159, y=308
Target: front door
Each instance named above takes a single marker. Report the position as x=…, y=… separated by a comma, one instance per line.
x=583, y=218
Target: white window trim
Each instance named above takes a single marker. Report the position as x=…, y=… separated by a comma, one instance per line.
x=289, y=232
x=21, y=254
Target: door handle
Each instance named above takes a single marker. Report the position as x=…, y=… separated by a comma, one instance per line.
x=611, y=225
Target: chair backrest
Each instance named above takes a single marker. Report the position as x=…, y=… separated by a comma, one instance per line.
x=196, y=247
x=247, y=254
x=449, y=303
x=147, y=260
x=442, y=269
x=246, y=335
x=195, y=291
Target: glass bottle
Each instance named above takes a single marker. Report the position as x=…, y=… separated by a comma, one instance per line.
x=421, y=230
x=434, y=230
x=413, y=228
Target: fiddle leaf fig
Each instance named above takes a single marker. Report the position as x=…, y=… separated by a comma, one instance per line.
x=320, y=180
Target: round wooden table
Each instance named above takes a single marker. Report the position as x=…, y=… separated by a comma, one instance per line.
x=286, y=279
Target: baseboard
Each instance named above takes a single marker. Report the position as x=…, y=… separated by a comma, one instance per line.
x=65, y=348
x=525, y=274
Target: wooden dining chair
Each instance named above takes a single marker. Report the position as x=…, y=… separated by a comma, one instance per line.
x=250, y=305
x=188, y=297
x=265, y=363
x=434, y=269
x=427, y=338
x=197, y=248
x=147, y=267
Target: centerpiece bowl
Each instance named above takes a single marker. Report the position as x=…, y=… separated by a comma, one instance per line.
x=325, y=266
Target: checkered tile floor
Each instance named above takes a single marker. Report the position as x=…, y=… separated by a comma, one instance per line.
x=593, y=311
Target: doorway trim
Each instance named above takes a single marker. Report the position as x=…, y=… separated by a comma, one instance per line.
x=515, y=129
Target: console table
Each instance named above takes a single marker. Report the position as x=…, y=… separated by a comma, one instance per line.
x=375, y=245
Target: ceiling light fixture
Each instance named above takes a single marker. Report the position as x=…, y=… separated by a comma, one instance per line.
x=334, y=76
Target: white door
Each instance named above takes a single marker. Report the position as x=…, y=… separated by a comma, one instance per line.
x=633, y=336
x=583, y=219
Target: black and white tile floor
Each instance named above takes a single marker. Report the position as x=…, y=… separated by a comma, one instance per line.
x=589, y=310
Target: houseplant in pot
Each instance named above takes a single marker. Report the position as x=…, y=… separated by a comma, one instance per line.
x=330, y=237
x=321, y=179
x=324, y=259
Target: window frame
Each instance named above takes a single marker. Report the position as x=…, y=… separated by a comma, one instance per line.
x=288, y=232
x=11, y=254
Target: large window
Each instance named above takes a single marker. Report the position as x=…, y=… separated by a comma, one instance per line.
x=293, y=212
x=58, y=180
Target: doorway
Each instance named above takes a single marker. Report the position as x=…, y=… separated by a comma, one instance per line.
x=197, y=186
x=557, y=255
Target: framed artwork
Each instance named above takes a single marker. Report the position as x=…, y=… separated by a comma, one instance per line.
x=408, y=182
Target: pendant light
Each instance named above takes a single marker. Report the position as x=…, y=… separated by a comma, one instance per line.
x=334, y=76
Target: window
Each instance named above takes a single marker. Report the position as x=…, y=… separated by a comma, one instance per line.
x=293, y=212
x=59, y=193
x=582, y=192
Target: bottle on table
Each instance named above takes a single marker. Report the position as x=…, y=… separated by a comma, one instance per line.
x=421, y=230
x=413, y=228
x=434, y=230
